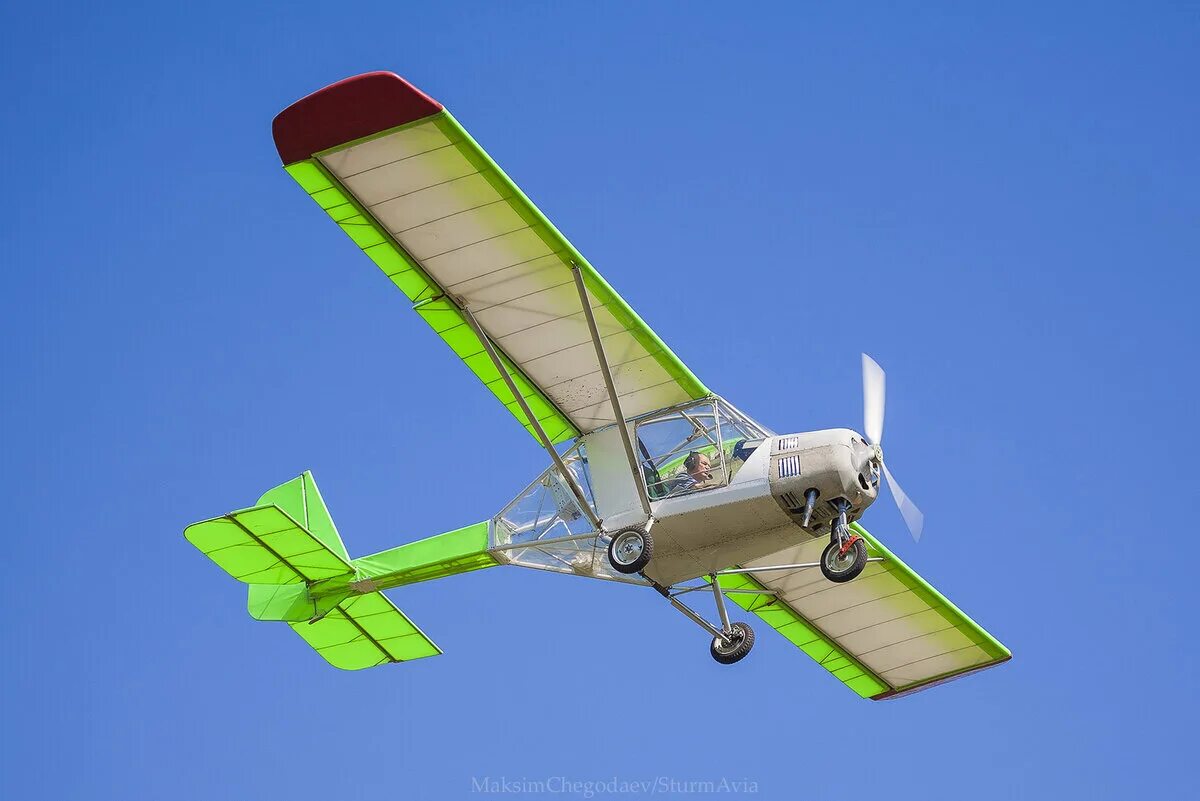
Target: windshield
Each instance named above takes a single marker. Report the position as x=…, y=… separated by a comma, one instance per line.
x=694, y=448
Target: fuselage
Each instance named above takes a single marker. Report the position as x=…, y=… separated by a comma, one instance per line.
x=751, y=504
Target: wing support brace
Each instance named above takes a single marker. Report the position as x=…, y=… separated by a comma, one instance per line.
x=567, y=475
x=605, y=371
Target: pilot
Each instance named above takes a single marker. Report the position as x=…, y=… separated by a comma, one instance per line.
x=698, y=473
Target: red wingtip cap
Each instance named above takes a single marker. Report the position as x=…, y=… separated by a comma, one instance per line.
x=348, y=110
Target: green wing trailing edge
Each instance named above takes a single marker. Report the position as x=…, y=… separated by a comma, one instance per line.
x=451, y=230
x=289, y=552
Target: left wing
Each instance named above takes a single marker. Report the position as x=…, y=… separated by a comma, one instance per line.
x=423, y=200
x=884, y=634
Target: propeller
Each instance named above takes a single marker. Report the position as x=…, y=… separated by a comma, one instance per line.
x=874, y=400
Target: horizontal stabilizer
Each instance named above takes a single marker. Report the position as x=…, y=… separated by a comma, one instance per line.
x=364, y=631
x=266, y=545
x=290, y=602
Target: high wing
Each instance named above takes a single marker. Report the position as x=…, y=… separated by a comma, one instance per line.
x=885, y=634
x=424, y=201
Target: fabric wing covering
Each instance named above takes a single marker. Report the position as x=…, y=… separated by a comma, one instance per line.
x=884, y=634
x=450, y=229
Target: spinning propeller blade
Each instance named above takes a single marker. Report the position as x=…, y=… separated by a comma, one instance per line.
x=908, y=510
x=874, y=391
x=874, y=401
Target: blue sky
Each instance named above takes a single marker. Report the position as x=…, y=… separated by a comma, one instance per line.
x=999, y=205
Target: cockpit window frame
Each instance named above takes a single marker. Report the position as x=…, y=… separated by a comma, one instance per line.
x=721, y=413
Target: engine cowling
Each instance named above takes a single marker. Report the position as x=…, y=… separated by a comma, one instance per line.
x=838, y=464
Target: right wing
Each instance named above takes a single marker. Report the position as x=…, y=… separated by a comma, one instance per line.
x=884, y=634
x=424, y=201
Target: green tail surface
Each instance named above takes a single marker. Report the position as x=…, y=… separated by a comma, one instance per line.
x=288, y=550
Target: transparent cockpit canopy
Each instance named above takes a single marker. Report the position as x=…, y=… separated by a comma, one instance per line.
x=544, y=526
x=694, y=448
x=547, y=520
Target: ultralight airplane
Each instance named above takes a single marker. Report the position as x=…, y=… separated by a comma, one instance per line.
x=655, y=481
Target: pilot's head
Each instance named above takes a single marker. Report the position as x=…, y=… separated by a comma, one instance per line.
x=697, y=466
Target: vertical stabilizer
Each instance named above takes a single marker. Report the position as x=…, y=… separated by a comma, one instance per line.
x=301, y=499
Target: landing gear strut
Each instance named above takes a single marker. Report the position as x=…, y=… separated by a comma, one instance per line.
x=732, y=641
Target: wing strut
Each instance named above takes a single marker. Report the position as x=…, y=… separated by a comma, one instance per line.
x=635, y=473
x=567, y=475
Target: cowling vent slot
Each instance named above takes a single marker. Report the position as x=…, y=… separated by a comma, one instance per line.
x=789, y=466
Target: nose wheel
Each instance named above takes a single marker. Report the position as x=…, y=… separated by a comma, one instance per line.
x=841, y=562
x=846, y=555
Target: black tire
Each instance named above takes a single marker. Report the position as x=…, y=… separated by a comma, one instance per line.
x=743, y=641
x=844, y=568
x=630, y=550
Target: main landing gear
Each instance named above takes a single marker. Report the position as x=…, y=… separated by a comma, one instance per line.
x=735, y=646
x=630, y=550
x=731, y=642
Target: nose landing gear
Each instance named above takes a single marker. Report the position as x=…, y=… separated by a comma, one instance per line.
x=845, y=557
x=842, y=563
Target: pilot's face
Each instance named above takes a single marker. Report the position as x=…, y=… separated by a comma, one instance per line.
x=703, y=466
